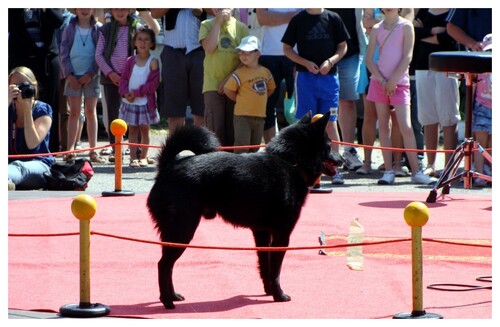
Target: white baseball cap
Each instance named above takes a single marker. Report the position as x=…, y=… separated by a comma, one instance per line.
x=249, y=43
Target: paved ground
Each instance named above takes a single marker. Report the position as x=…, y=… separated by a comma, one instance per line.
x=140, y=180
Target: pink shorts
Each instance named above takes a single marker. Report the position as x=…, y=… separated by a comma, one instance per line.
x=376, y=93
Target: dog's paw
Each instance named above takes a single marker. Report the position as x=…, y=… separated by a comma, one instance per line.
x=178, y=297
x=169, y=303
x=282, y=297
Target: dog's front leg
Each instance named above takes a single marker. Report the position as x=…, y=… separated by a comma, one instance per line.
x=263, y=239
x=276, y=261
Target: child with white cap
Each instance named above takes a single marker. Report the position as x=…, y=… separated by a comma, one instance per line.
x=249, y=86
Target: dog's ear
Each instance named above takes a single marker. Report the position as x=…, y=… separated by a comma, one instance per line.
x=321, y=122
x=306, y=119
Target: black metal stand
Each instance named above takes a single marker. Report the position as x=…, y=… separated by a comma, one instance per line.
x=469, y=64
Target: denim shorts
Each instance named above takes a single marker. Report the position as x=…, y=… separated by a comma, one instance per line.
x=91, y=90
x=348, y=70
x=481, y=120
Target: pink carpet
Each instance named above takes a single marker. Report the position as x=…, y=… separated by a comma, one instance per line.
x=44, y=271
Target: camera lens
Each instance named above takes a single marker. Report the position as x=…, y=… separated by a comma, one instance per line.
x=27, y=90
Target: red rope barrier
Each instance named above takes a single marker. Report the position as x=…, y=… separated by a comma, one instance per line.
x=223, y=148
x=267, y=249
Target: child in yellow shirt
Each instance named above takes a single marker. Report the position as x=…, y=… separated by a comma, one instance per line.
x=249, y=86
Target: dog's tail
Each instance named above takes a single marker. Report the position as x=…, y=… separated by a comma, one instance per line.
x=198, y=140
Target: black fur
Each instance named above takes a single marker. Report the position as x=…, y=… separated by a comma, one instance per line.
x=262, y=191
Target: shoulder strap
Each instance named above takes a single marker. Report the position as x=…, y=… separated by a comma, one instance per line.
x=387, y=36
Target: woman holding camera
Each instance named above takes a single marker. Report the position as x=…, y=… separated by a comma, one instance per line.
x=29, y=131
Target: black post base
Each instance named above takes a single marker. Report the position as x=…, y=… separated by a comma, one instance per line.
x=84, y=311
x=118, y=193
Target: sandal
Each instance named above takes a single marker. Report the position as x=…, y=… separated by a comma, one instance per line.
x=94, y=157
x=106, y=152
x=150, y=161
x=134, y=163
x=143, y=162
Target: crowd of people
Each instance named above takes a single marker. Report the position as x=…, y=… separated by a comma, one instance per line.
x=233, y=68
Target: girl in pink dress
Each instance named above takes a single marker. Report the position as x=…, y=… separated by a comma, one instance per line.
x=390, y=87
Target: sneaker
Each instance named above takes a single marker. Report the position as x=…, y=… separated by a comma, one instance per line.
x=479, y=182
x=351, y=159
x=364, y=171
x=12, y=186
x=338, y=179
x=402, y=172
x=421, y=178
x=387, y=179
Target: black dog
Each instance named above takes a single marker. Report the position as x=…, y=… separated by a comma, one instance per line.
x=262, y=191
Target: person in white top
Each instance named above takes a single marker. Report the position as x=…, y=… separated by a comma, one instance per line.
x=274, y=22
x=138, y=83
x=182, y=65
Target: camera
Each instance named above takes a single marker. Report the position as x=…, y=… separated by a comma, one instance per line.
x=27, y=90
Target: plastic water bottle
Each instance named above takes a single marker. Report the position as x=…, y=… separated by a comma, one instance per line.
x=355, y=253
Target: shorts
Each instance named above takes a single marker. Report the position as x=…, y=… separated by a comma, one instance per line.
x=317, y=94
x=376, y=93
x=182, y=81
x=437, y=98
x=348, y=70
x=91, y=90
x=481, y=118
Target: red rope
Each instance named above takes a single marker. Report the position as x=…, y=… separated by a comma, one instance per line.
x=231, y=248
x=222, y=148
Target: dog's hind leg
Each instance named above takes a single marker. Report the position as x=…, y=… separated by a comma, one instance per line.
x=165, y=269
x=181, y=232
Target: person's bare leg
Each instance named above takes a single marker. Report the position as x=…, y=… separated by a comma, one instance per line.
x=173, y=124
x=431, y=139
x=333, y=134
x=75, y=103
x=198, y=120
x=450, y=138
x=369, y=130
x=347, y=119
x=91, y=119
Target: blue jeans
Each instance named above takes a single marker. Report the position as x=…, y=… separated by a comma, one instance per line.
x=28, y=175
